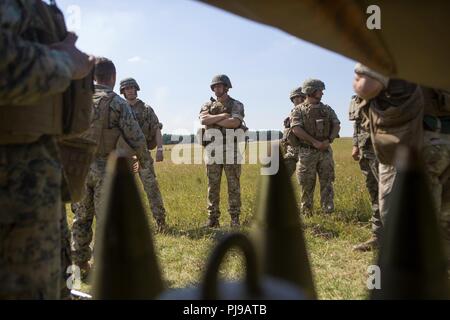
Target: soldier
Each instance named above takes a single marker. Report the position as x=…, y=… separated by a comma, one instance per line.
x=112, y=119
x=316, y=126
x=151, y=127
x=33, y=75
x=227, y=115
x=403, y=113
x=291, y=152
x=363, y=152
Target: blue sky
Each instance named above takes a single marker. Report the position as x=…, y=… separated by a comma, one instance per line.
x=174, y=48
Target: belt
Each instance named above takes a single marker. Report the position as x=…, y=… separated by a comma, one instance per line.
x=437, y=124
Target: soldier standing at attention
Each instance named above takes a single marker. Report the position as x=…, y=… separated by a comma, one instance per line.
x=227, y=115
x=316, y=126
x=291, y=152
x=112, y=118
x=151, y=127
x=34, y=73
x=363, y=152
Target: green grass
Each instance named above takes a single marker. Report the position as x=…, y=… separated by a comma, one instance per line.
x=339, y=272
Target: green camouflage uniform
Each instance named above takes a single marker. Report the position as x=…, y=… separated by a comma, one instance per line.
x=232, y=170
x=368, y=162
x=313, y=162
x=149, y=122
x=121, y=117
x=30, y=172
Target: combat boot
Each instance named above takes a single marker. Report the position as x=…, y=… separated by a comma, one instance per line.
x=213, y=223
x=369, y=245
x=235, y=222
x=161, y=225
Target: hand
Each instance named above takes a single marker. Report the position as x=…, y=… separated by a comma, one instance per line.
x=136, y=167
x=318, y=145
x=159, y=156
x=325, y=145
x=82, y=62
x=355, y=153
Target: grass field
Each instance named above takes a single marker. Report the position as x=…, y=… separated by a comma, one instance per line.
x=339, y=272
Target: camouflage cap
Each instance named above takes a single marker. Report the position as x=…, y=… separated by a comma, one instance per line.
x=221, y=78
x=297, y=92
x=128, y=82
x=362, y=69
x=312, y=85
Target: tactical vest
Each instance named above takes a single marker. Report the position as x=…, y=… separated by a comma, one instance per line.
x=62, y=114
x=100, y=131
x=317, y=121
x=399, y=125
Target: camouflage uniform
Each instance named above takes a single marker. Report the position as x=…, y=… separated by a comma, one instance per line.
x=66, y=254
x=313, y=162
x=232, y=171
x=149, y=122
x=368, y=162
x=121, y=117
x=291, y=153
x=435, y=145
x=30, y=168
x=291, y=157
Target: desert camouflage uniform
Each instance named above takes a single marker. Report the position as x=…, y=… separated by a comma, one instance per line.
x=232, y=170
x=435, y=152
x=66, y=254
x=313, y=162
x=368, y=164
x=30, y=168
x=291, y=158
x=121, y=117
x=149, y=122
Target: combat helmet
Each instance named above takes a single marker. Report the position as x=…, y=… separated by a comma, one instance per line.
x=221, y=78
x=128, y=82
x=364, y=70
x=297, y=92
x=312, y=85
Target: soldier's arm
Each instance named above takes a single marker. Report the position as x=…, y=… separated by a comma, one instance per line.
x=28, y=71
x=207, y=119
x=355, y=133
x=131, y=131
x=335, y=126
x=236, y=118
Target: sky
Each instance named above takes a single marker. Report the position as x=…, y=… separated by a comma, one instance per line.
x=173, y=48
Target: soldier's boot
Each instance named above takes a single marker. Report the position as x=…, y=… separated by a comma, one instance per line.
x=369, y=245
x=328, y=209
x=161, y=225
x=235, y=221
x=213, y=222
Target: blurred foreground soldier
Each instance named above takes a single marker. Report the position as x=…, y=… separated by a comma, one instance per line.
x=297, y=97
x=36, y=67
x=315, y=126
x=112, y=119
x=227, y=116
x=363, y=152
x=151, y=127
x=403, y=113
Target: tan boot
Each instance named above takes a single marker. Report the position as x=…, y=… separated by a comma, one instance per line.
x=369, y=245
